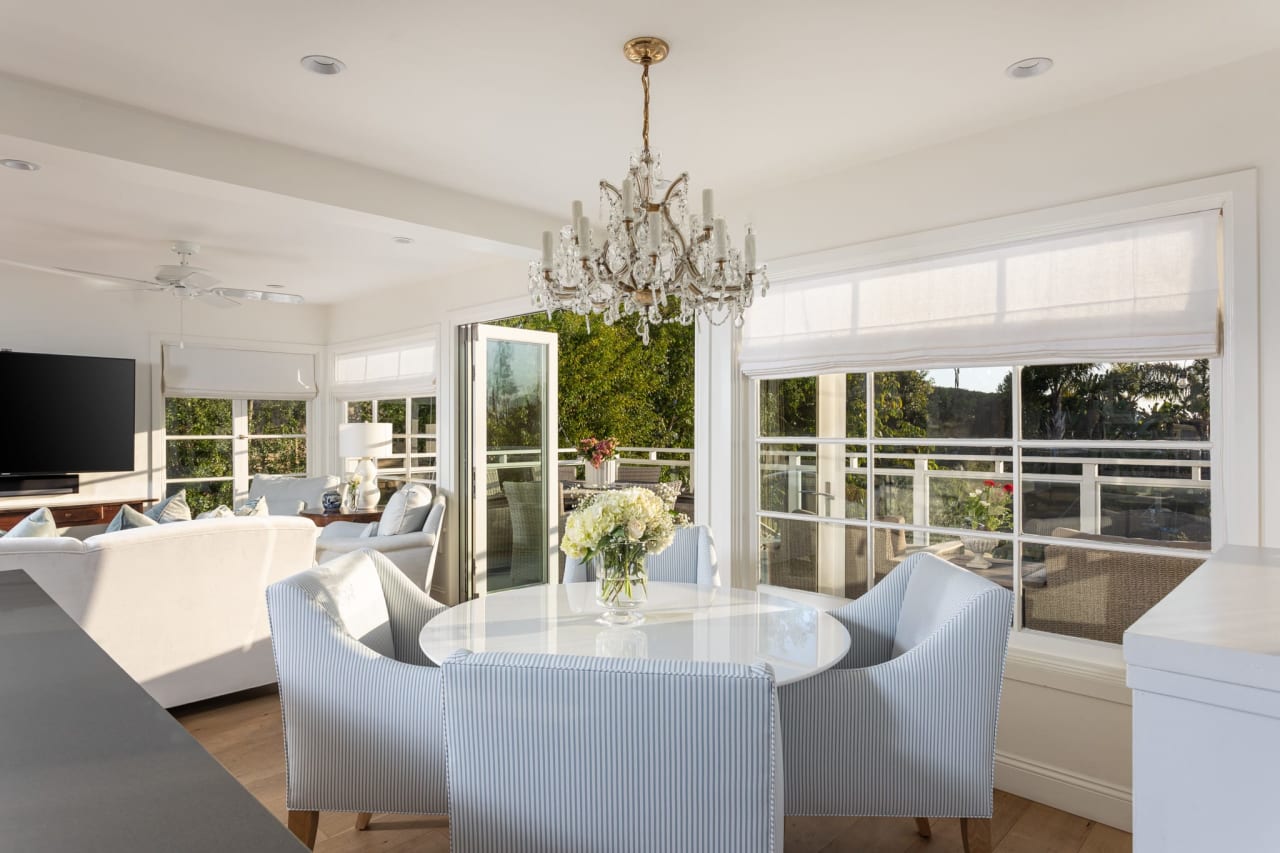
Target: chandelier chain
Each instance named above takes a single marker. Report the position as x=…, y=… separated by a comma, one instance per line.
x=644, y=82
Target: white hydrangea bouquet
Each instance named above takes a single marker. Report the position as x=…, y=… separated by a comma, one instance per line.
x=616, y=530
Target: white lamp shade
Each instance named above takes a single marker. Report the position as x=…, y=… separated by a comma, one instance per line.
x=360, y=440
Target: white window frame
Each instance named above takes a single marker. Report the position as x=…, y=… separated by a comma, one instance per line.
x=1234, y=378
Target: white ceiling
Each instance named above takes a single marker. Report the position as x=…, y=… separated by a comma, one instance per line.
x=94, y=213
x=532, y=103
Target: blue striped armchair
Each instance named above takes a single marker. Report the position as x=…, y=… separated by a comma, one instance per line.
x=905, y=725
x=362, y=702
x=611, y=755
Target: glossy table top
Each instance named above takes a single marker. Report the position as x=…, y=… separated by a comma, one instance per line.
x=682, y=622
x=89, y=761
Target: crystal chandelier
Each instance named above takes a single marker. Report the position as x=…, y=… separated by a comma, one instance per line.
x=652, y=250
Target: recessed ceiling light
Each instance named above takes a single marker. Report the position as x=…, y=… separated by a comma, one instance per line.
x=20, y=165
x=403, y=241
x=1031, y=67
x=321, y=64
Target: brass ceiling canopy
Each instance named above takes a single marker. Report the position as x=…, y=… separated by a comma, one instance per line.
x=646, y=50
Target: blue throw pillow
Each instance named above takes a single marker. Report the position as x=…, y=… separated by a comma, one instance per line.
x=37, y=525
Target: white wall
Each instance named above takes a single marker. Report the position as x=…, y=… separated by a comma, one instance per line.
x=40, y=312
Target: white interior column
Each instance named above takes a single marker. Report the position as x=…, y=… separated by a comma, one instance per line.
x=829, y=502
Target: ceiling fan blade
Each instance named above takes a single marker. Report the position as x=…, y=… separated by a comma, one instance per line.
x=106, y=277
x=218, y=300
x=260, y=295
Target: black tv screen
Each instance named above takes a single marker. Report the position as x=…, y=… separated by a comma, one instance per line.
x=65, y=414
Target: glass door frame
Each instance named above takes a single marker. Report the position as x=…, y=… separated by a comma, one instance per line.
x=473, y=458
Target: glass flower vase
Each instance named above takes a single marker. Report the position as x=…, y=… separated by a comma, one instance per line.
x=621, y=585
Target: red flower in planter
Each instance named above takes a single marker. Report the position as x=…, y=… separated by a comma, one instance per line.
x=990, y=484
x=1008, y=488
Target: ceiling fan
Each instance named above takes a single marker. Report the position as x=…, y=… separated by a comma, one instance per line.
x=182, y=280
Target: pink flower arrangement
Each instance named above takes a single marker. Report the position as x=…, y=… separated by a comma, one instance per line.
x=597, y=450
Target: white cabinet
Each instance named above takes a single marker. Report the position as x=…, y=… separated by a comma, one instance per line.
x=1204, y=665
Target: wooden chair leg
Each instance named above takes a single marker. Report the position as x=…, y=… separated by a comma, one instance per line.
x=362, y=821
x=976, y=834
x=304, y=826
x=922, y=827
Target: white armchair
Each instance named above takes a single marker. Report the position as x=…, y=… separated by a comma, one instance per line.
x=361, y=701
x=551, y=753
x=414, y=553
x=690, y=558
x=905, y=725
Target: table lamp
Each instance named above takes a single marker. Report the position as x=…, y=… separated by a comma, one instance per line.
x=365, y=441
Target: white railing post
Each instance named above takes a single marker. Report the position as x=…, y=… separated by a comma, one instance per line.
x=1090, y=505
x=920, y=499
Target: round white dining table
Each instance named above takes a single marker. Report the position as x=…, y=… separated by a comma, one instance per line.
x=681, y=622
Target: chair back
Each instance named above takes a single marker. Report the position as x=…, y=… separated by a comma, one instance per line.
x=434, y=526
x=935, y=592
x=690, y=558
x=610, y=755
x=645, y=474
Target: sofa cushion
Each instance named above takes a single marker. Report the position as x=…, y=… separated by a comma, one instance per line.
x=219, y=511
x=349, y=589
x=254, y=507
x=131, y=519
x=291, y=495
x=37, y=525
x=172, y=508
x=406, y=510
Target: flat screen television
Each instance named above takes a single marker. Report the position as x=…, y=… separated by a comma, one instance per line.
x=64, y=414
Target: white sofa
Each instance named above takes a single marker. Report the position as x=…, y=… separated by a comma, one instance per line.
x=180, y=606
x=289, y=495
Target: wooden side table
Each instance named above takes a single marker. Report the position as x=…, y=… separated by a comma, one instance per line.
x=359, y=516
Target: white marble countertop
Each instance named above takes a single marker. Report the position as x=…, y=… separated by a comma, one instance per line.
x=682, y=622
x=1222, y=623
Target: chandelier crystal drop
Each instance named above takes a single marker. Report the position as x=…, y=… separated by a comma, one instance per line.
x=652, y=249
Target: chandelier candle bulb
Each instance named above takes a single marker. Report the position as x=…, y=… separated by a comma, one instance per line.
x=628, y=199
x=722, y=240
x=655, y=232
x=577, y=214
x=708, y=207
x=749, y=250
x=547, y=251
x=584, y=237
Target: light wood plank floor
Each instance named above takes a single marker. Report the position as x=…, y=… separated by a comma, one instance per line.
x=244, y=734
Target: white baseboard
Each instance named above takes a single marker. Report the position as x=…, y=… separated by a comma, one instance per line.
x=1072, y=792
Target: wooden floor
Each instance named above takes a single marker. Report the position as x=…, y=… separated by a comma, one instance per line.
x=244, y=734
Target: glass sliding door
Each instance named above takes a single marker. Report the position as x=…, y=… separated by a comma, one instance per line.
x=515, y=512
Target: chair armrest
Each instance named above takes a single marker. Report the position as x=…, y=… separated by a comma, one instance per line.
x=343, y=529
x=383, y=544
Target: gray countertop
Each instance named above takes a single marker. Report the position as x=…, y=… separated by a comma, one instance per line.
x=88, y=761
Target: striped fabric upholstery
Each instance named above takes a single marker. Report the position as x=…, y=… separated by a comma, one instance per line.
x=362, y=731
x=690, y=558
x=909, y=734
x=611, y=755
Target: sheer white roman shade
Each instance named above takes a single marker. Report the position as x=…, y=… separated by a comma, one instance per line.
x=238, y=374
x=408, y=367
x=1140, y=291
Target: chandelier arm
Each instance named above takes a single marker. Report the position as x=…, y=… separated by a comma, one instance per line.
x=683, y=178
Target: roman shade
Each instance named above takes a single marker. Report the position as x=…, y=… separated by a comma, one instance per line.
x=411, y=365
x=238, y=374
x=1147, y=290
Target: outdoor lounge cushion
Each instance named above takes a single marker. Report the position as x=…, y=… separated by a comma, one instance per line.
x=39, y=524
